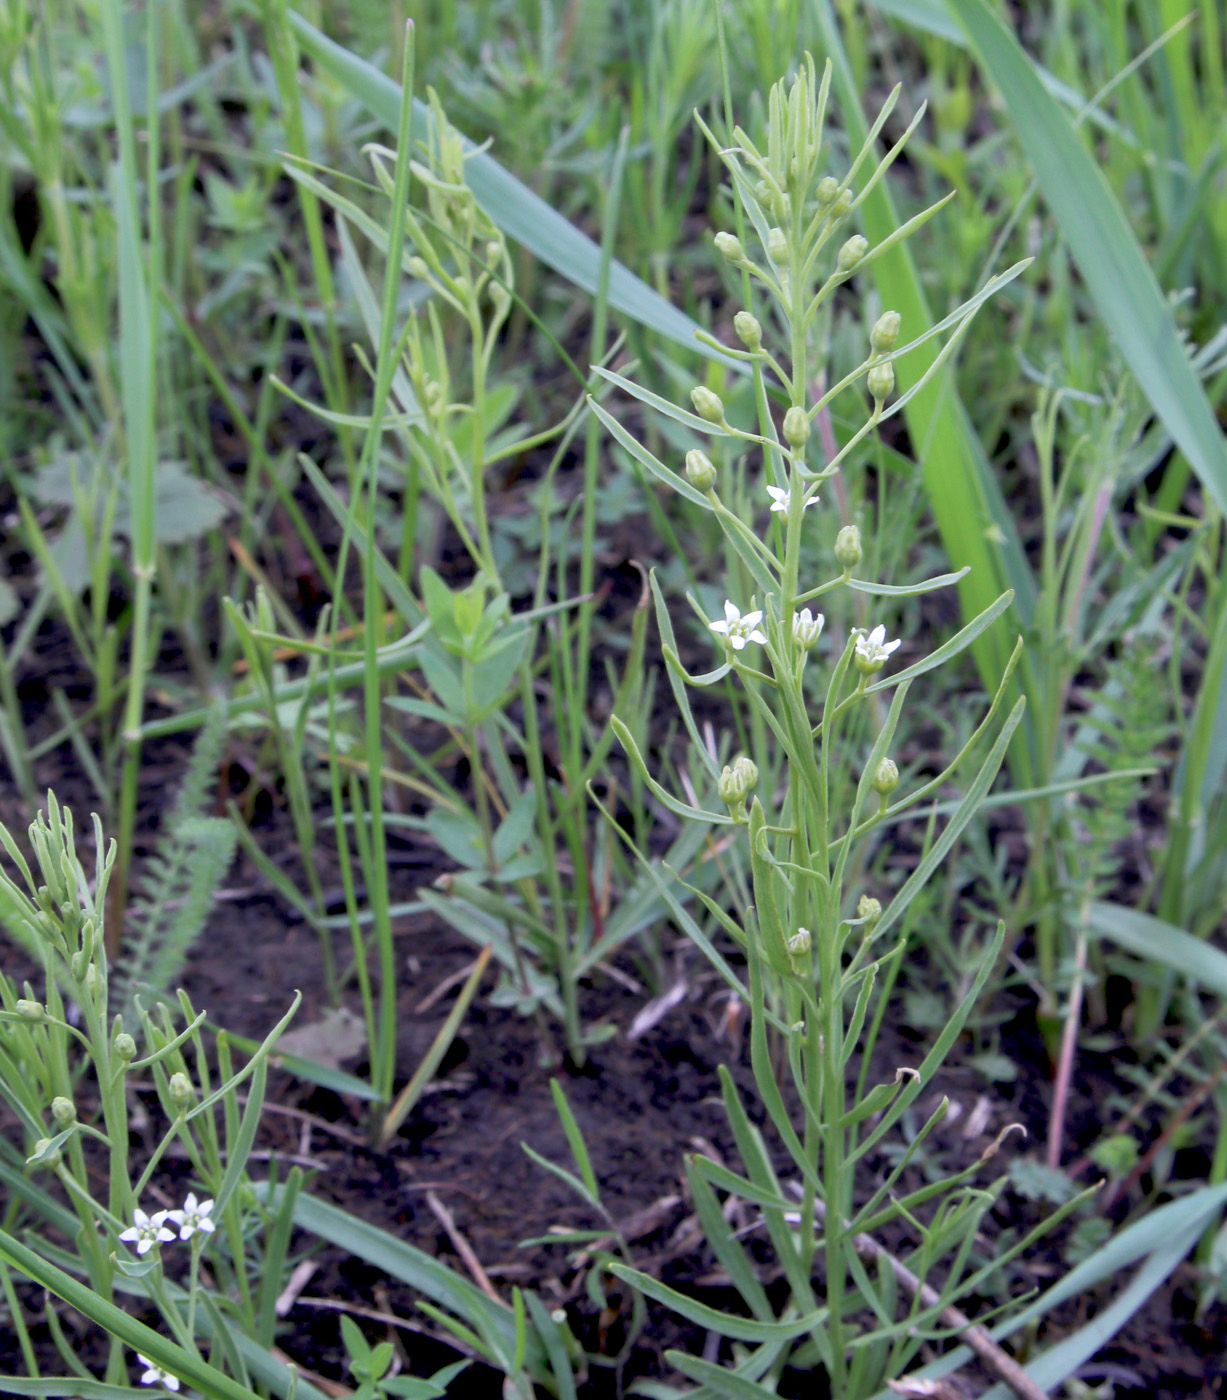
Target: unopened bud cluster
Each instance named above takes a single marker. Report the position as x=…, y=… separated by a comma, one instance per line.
x=737, y=780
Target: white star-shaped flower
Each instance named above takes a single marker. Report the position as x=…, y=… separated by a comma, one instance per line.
x=194, y=1216
x=781, y=499
x=872, y=649
x=155, y=1375
x=739, y=630
x=146, y=1231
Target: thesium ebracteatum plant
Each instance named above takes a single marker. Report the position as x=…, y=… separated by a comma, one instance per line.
x=816, y=938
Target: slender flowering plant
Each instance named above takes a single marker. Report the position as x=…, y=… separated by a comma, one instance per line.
x=56, y=912
x=813, y=935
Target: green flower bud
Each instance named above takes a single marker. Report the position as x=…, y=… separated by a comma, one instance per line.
x=735, y=784
x=881, y=381
x=885, y=332
x=842, y=206
x=419, y=268
x=30, y=1010
x=869, y=909
x=828, y=188
x=63, y=1110
x=494, y=252
x=729, y=246
x=181, y=1092
x=124, y=1046
x=886, y=779
x=707, y=405
x=777, y=247
x=800, y=942
x=749, y=332
x=699, y=470
x=37, y=1158
x=796, y=427
x=848, y=547
x=851, y=253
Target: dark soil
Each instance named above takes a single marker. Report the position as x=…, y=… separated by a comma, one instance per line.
x=641, y=1105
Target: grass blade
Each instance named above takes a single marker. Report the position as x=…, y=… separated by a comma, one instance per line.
x=1122, y=285
x=519, y=212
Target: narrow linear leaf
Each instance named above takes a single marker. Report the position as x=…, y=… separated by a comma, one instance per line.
x=742, y=1329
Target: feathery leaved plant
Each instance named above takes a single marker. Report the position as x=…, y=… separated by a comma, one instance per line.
x=176, y=890
x=813, y=938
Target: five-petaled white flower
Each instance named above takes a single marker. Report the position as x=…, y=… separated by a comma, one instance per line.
x=155, y=1375
x=781, y=499
x=872, y=649
x=194, y=1216
x=146, y=1231
x=739, y=630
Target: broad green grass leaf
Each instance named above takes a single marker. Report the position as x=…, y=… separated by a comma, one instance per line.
x=1161, y=942
x=402, y=1261
x=935, y=17
x=1123, y=287
x=519, y=212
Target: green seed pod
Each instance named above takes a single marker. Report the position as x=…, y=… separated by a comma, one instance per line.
x=881, y=381
x=729, y=246
x=851, y=253
x=777, y=247
x=796, y=427
x=63, y=1110
x=886, y=779
x=707, y=405
x=885, y=332
x=748, y=329
x=848, y=547
x=699, y=470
